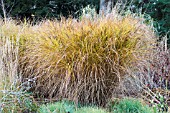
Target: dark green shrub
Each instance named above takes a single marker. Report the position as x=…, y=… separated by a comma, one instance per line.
x=36, y=9
x=159, y=10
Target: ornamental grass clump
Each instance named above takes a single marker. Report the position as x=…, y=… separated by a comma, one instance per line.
x=9, y=29
x=13, y=95
x=84, y=60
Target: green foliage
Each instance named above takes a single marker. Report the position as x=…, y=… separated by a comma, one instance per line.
x=17, y=102
x=130, y=106
x=36, y=9
x=58, y=107
x=159, y=10
x=68, y=107
x=91, y=110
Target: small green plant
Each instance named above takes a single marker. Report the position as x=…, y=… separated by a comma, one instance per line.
x=91, y=110
x=68, y=107
x=58, y=107
x=17, y=102
x=128, y=105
